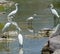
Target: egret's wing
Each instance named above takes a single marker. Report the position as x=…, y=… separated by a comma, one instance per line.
x=55, y=12
x=6, y=26
x=15, y=24
x=30, y=18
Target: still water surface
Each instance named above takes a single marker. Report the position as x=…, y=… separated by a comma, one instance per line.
x=31, y=46
x=43, y=19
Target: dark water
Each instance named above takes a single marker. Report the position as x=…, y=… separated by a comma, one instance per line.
x=43, y=19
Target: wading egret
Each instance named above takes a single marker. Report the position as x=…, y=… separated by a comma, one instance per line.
x=53, y=11
x=6, y=26
x=20, y=39
x=30, y=18
x=11, y=14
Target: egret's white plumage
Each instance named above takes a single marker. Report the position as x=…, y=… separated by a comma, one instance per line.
x=14, y=12
x=30, y=18
x=54, y=12
x=15, y=24
x=20, y=39
x=6, y=26
x=9, y=23
x=10, y=15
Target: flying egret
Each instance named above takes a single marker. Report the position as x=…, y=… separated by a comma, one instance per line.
x=6, y=26
x=20, y=39
x=53, y=11
x=11, y=14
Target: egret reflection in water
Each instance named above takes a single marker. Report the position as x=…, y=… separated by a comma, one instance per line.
x=30, y=23
x=21, y=51
x=4, y=45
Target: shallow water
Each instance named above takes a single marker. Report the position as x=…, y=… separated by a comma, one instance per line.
x=30, y=46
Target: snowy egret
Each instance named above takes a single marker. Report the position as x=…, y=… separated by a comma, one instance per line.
x=53, y=11
x=6, y=26
x=20, y=39
x=11, y=14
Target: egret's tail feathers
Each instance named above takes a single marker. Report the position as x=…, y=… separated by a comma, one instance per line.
x=6, y=26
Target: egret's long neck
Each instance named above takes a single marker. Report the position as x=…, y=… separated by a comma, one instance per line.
x=16, y=8
x=51, y=8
